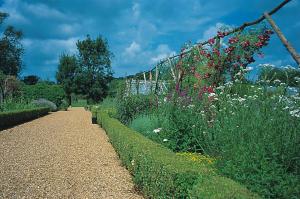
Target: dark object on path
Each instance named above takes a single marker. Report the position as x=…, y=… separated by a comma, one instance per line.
x=94, y=119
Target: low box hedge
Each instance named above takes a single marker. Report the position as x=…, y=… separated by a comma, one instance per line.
x=8, y=119
x=160, y=173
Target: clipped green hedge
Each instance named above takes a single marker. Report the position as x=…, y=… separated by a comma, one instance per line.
x=8, y=119
x=160, y=173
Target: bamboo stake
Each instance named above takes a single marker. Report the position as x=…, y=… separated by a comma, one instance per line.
x=283, y=39
x=172, y=71
x=240, y=28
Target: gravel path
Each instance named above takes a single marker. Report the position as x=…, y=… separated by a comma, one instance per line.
x=61, y=155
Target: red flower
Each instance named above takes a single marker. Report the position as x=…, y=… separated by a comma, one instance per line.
x=229, y=49
x=211, y=41
x=197, y=75
x=221, y=34
x=269, y=32
x=250, y=59
x=207, y=75
x=210, y=89
x=216, y=51
x=245, y=44
x=193, y=69
x=259, y=44
x=233, y=40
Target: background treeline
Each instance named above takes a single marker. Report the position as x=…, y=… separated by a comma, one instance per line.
x=81, y=78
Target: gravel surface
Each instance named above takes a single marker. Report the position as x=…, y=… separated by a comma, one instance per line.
x=61, y=155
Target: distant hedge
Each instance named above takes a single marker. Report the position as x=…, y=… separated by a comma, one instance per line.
x=8, y=119
x=160, y=173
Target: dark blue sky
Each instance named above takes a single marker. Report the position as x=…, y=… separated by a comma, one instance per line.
x=139, y=32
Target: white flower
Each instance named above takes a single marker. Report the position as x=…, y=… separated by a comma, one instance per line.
x=282, y=84
x=295, y=113
x=285, y=108
x=212, y=94
x=165, y=99
x=165, y=140
x=240, y=99
x=220, y=87
x=249, y=68
x=157, y=130
x=132, y=162
x=193, y=126
x=191, y=106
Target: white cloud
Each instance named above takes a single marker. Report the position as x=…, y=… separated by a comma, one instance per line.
x=163, y=51
x=15, y=16
x=212, y=31
x=42, y=10
x=136, y=10
x=48, y=46
x=69, y=29
x=133, y=49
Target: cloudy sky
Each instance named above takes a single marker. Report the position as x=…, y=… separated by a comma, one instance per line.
x=139, y=32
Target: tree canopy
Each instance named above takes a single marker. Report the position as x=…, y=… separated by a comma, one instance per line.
x=11, y=49
x=89, y=72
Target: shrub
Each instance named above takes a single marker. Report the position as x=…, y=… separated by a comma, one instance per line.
x=160, y=173
x=8, y=119
x=45, y=103
x=79, y=103
x=130, y=106
x=64, y=105
x=51, y=92
x=15, y=104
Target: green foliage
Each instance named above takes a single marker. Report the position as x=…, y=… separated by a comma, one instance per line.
x=11, y=50
x=31, y=79
x=8, y=119
x=79, y=103
x=53, y=93
x=252, y=132
x=15, y=104
x=271, y=75
x=130, y=106
x=160, y=173
x=64, y=105
x=90, y=72
x=109, y=103
x=66, y=74
x=116, y=88
x=146, y=124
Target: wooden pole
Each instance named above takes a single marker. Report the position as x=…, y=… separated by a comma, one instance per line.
x=283, y=39
x=240, y=28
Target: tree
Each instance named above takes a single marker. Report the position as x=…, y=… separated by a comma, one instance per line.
x=11, y=49
x=31, y=79
x=95, y=71
x=66, y=74
x=9, y=86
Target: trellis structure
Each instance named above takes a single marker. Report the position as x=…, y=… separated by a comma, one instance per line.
x=165, y=68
